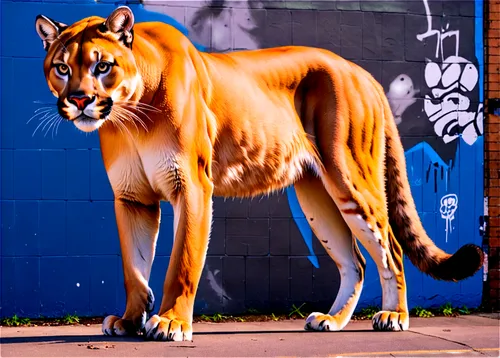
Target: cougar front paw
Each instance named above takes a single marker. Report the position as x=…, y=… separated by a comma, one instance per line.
x=116, y=326
x=167, y=328
x=391, y=321
x=321, y=322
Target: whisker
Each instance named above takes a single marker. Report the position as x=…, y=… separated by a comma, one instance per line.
x=59, y=123
x=136, y=117
x=137, y=109
x=140, y=104
x=47, y=107
x=43, y=114
x=41, y=123
x=50, y=124
x=122, y=113
x=121, y=125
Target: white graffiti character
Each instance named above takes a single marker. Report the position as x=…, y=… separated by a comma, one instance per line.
x=449, y=205
x=449, y=107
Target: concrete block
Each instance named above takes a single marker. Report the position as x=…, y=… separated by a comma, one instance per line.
x=280, y=236
x=301, y=283
x=233, y=282
x=416, y=50
x=322, y=5
x=351, y=41
x=279, y=279
x=54, y=174
x=304, y=27
x=257, y=279
x=351, y=18
x=27, y=275
x=78, y=228
x=392, y=37
x=78, y=177
x=52, y=228
x=278, y=206
x=104, y=234
x=348, y=5
x=372, y=36
x=8, y=228
x=328, y=30
x=27, y=228
x=76, y=287
x=244, y=227
x=7, y=174
x=237, y=208
x=297, y=243
x=103, y=285
x=278, y=28
x=8, y=286
x=7, y=109
x=384, y=6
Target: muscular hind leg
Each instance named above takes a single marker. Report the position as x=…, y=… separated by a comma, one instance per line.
x=366, y=216
x=336, y=237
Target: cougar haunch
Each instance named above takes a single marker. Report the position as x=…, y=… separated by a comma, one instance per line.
x=181, y=125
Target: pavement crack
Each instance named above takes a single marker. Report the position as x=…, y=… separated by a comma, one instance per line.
x=450, y=340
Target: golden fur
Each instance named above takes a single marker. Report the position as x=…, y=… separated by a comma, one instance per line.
x=180, y=125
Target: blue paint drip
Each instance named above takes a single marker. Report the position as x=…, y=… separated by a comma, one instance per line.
x=429, y=151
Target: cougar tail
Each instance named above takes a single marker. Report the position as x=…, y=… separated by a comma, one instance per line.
x=406, y=224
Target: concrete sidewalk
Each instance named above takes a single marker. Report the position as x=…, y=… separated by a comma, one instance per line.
x=464, y=336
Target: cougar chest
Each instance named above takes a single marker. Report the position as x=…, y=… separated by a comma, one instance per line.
x=163, y=172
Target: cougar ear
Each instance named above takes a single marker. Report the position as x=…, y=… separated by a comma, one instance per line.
x=48, y=30
x=120, y=20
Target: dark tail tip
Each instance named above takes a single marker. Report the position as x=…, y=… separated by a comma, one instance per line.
x=462, y=264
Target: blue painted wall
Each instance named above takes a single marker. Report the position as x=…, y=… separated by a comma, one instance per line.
x=59, y=243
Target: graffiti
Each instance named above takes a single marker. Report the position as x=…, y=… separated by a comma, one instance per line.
x=449, y=205
x=401, y=95
x=214, y=285
x=448, y=106
x=216, y=19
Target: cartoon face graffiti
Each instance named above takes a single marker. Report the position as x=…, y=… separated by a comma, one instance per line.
x=451, y=84
x=448, y=106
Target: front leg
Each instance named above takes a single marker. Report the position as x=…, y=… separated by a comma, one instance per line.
x=138, y=226
x=192, y=222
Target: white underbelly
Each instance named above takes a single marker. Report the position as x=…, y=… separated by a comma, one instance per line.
x=249, y=178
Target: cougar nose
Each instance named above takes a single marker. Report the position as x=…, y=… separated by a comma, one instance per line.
x=80, y=100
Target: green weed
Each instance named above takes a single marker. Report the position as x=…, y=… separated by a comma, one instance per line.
x=70, y=319
x=422, y=312
x=296, y=310
x=446, y=309
x=16, y=321
x=369, y=312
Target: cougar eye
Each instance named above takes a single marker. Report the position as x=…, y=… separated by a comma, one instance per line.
x=102, y=68
x=62, y=69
